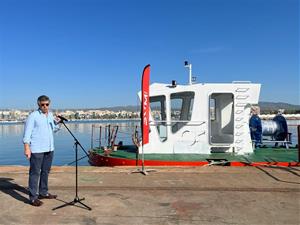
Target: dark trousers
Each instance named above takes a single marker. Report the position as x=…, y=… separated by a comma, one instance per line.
x=40, y=164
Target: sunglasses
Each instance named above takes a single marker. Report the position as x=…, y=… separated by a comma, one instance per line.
x=45, y=104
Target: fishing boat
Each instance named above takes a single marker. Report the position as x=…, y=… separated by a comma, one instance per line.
x=196, y=124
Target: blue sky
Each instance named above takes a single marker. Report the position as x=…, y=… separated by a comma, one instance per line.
x=85, y=53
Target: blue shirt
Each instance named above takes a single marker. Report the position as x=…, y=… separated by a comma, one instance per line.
x=38, y=132
x=255, y=128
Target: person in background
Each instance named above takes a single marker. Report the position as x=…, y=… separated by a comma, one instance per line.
x=38, y=149
x=282, y=132
x=255, y=126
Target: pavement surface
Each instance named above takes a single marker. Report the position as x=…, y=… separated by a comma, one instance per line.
x=190, y=195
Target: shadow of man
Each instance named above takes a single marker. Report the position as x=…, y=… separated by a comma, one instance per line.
x=8, y=187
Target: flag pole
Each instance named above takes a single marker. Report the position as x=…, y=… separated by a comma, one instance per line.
x=145, y=108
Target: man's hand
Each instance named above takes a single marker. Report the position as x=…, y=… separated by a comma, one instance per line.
x=57, y=119
x=27, y=151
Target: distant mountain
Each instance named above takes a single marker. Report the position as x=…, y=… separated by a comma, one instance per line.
x=274, y=106
x=265, y=107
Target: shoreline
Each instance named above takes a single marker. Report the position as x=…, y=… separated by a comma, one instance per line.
x=290, y=117
x=74, y=121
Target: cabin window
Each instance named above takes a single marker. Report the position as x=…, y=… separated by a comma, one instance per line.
x=181, y=109
x=158, y=113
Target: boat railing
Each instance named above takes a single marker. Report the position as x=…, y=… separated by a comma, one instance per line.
x=286, y=142
x=106, y=135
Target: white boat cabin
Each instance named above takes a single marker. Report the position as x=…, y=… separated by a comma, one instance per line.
x=201, y=118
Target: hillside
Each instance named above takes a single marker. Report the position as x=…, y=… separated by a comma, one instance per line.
x=271, y=107
x=266, y=107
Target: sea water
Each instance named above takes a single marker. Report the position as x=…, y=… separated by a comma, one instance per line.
x=12, y=151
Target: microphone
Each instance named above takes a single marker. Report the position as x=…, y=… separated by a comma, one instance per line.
x=62, y=119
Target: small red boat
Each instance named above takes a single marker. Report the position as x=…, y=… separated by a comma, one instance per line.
x=196, y=125
x=126, y=156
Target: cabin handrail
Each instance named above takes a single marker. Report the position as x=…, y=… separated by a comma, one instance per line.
x=170, y=122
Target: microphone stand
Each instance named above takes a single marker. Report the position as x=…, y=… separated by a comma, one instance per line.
x=76, y=199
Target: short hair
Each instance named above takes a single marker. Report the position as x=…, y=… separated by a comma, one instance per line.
x=43, y=98
x=255, y=110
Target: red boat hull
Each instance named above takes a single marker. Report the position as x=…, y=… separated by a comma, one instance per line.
x=101, y=160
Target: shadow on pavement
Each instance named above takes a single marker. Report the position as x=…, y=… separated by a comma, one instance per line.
x=7, y=186
x=276, y=178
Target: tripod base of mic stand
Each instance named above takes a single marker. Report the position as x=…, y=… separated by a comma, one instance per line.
x=76, y=200
x=143, y=171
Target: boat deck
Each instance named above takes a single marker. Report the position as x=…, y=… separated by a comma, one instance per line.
x=279, y=156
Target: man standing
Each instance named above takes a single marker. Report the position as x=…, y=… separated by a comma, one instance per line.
x=255, y=126
x=282, y=132
x=38, y=149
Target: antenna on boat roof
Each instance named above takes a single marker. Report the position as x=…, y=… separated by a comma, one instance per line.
x=191, y=78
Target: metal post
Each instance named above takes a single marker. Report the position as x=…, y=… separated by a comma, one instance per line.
x=114, y=137
x=76, y=165
x=100, y=133
x=108, y=136
x=137, y=149
x=105, y=134
x=189, y=65
x=92, y=137
x=111, y=136
x=298, y=129
x=190, y=74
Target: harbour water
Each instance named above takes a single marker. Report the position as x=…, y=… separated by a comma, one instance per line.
x=11, y=146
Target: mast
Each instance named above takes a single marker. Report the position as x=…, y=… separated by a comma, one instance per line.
x=189, y=65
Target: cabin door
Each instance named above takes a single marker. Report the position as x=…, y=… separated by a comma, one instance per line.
x=221, y=106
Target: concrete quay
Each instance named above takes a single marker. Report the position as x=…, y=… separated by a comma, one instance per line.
x=177, y=195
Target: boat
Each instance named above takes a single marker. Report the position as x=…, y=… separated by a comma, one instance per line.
x=197, y=124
